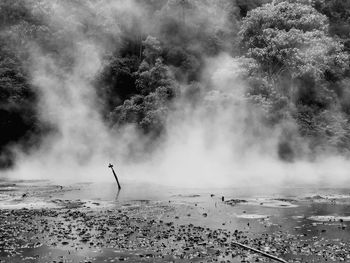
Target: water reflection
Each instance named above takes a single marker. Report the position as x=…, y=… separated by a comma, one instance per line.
x=117, y=195
x=263, y=212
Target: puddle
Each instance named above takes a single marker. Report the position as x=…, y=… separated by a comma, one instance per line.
x=252, y=216
x=272, y=203
x=329, y=218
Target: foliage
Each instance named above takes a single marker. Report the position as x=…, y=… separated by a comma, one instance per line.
x=295, y=54
x=338, y=13
x=117, y=81
x=148, y=112
x=290, y=38
x=155, y=88
x=17, y=106
x=298, y=70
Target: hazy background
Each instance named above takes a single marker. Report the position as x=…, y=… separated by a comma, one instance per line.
x=187, y=93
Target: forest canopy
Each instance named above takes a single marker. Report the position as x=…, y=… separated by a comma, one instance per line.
x=295, y=58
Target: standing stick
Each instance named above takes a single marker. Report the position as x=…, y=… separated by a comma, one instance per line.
x=115, y=176
x=260, y=252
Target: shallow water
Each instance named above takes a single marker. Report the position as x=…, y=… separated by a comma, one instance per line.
x=294, y=207
x=316, y=217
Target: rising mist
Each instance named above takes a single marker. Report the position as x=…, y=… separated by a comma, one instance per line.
x=200, y=126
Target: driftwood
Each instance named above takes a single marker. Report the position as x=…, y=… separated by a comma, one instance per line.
x=259, y=251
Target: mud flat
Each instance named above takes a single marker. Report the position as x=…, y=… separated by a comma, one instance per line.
x=178, y=227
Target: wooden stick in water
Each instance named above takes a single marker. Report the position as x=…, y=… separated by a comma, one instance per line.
x=115, y=176
x=260, y=252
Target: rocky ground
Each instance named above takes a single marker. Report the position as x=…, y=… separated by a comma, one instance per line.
x=165, y=231
x=132, y=233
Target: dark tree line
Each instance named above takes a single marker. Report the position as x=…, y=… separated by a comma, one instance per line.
x=296, y=53
x=19, y=123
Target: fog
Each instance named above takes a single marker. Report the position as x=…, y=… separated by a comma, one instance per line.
x=219, y=142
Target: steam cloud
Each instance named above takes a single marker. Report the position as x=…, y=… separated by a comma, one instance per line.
x=220, y=142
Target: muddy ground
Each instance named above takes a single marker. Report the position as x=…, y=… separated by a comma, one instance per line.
x=43, y=222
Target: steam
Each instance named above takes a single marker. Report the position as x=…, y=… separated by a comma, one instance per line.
x=220, y=142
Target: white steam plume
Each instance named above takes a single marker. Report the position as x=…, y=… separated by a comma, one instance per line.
x=211, y=145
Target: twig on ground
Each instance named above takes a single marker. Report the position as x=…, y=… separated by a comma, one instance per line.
x=260, y=252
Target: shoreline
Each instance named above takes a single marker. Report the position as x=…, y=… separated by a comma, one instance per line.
x=177, y=227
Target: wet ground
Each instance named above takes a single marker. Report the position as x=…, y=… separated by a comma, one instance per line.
x=44, y=222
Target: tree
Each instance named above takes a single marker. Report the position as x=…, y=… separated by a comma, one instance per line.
x=152, y=49
x=299, y=68
x=116, y=83
x=291, y=39
x=19, y=123
x=156, y=89
x=338, y=12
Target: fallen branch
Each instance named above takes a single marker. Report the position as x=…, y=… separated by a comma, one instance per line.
x=260, y=252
